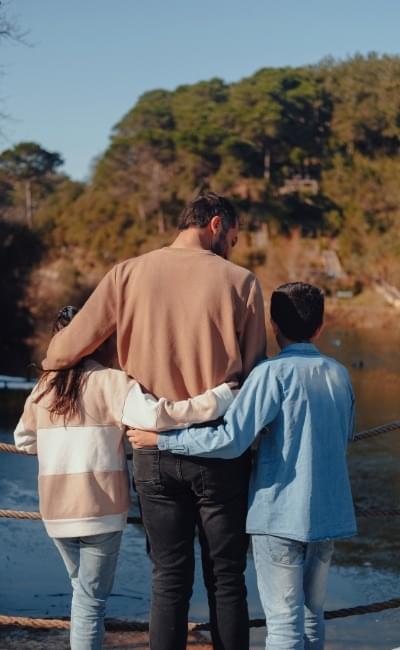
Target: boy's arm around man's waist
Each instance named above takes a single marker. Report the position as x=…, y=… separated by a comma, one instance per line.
x=256, y=405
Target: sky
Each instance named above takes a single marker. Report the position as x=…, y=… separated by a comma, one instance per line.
x=88, y=61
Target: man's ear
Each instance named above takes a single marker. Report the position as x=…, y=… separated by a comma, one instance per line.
x=215, y=224
x=274, y=326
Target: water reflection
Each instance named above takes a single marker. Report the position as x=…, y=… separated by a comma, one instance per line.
x=375, y=348
x=374, y=462
x=366, y=568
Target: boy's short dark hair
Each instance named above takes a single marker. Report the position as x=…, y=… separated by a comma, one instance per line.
x=298, y=310
x=199, y=212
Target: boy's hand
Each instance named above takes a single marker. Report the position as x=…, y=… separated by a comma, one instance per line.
x=141, y=439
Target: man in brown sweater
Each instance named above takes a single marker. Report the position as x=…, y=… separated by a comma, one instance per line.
x=186, y=320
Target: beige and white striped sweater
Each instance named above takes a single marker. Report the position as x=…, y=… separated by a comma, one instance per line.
x=83, y=478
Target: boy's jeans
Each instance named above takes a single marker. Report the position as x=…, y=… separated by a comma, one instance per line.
x=291, y=578
x=91, y=563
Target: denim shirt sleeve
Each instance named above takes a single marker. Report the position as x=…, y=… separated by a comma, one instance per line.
x=352, y=423
x=256, y=405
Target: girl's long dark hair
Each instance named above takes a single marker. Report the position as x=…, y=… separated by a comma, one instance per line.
x=65, y=385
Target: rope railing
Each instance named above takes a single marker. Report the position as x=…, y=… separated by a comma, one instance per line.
x=114, y=625
x=12, y=449
x=19, y=514
x=370, y=513
x=23, y=514
x=377, y=431
x=141, y=626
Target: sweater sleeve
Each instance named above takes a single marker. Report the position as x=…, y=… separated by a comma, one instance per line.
x=92, y=325
x=115, y=387
x=253, y=339
x=143, y=411
x=25, y=434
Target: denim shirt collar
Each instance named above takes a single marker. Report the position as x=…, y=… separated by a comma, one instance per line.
x=300, y=348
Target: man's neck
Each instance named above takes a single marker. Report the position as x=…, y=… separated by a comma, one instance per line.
x=197, y=238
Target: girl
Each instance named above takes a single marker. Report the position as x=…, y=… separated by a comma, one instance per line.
x=74, y=421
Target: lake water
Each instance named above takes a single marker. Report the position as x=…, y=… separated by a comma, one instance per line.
x=365, y=569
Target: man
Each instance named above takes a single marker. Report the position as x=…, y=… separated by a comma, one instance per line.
x=186, y=320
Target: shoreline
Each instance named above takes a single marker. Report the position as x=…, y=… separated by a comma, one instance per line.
x=13, y=638
x=365, y=312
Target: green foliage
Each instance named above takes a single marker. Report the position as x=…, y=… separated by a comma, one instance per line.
x=28, y=160
x=52, y=217
x=365, y=94
x=251, y=258
x=311, y=151
x=335, y=125
x=20, y=250
x=31, y=172
x=6, y=191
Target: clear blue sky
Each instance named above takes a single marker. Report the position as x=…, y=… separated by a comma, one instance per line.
x=91, y=59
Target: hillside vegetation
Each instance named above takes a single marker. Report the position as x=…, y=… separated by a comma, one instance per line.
x=310, y=156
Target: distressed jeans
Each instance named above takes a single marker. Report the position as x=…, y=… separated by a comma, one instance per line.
x=292, y=578
x=91, y=562
x=178, y=493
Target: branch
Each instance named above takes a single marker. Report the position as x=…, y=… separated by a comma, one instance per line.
x=9, y=28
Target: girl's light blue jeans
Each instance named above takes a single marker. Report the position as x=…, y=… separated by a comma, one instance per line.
x=91, y=562
x=292, y=578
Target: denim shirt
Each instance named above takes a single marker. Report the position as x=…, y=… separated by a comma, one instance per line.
x=300, y=487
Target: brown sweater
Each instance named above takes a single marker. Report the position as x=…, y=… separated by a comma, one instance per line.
x=186, y=320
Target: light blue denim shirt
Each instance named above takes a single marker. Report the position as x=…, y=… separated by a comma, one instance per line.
x=300, y=487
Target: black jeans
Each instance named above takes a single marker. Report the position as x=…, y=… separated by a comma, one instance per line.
x=176, y=494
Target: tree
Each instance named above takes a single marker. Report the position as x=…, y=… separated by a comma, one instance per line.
x=29, y=163
x=20, y=251
x=315, y=148
x=9, y=29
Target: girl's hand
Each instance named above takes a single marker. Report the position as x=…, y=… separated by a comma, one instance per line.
x=140, y=439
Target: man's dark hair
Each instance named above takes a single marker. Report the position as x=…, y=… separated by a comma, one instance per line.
x=298, y=310
x=199, y=212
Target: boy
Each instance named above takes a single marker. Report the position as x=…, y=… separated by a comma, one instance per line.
x=300, y=496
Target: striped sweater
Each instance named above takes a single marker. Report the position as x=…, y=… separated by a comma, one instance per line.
x=83, y=478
